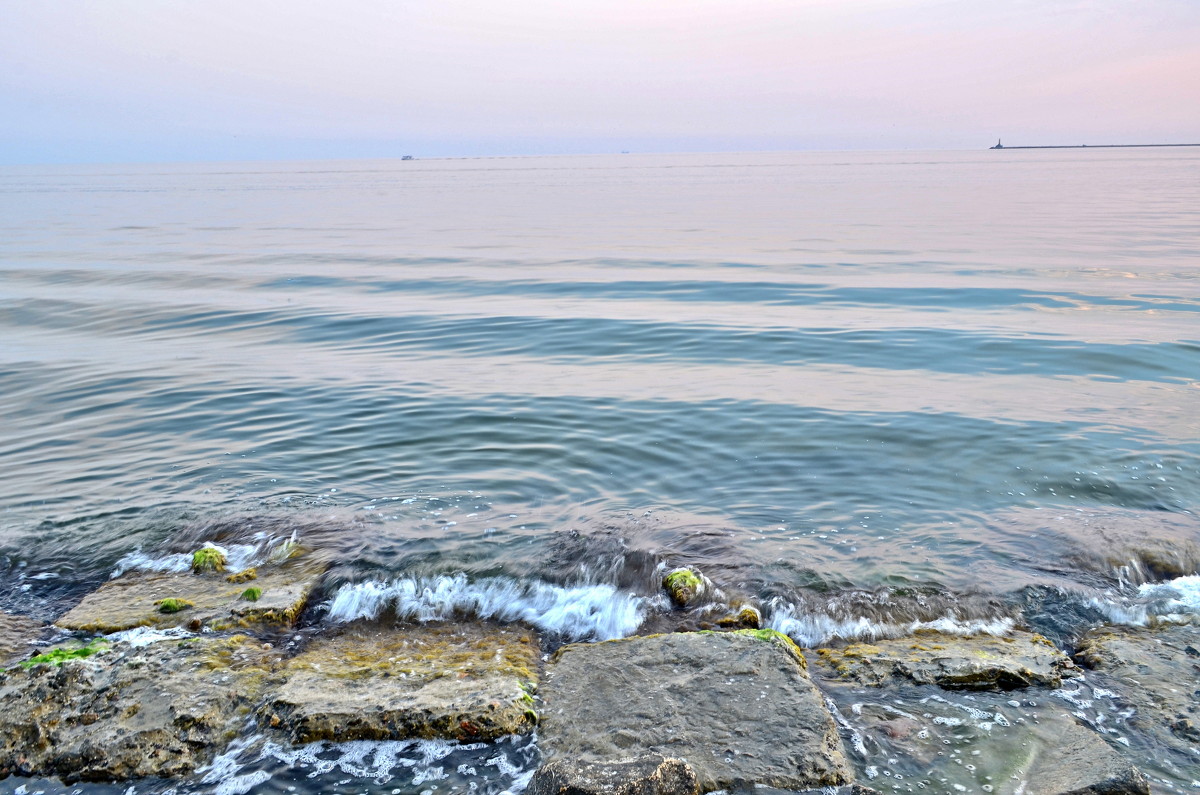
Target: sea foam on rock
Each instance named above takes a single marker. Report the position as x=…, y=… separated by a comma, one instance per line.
x=738, y=706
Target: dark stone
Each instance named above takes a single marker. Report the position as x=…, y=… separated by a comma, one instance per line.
x=649, y=775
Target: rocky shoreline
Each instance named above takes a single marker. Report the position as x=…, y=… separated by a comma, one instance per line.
x=188, y=662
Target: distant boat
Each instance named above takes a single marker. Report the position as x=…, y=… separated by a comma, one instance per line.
x=407, y=157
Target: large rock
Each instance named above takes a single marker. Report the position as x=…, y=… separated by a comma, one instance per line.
x=977, y=662
x=159, y=710
x=467, y=682
x=1156, y=671
x=1078, y=762
x=738, y=707
x=17, y=633
x=214, y=600
x=648, y=775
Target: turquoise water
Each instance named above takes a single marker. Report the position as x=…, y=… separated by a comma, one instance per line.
x=829, y=380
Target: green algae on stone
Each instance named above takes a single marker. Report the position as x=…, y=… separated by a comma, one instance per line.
x=684, y=586
x=251, y=594
x=245, y=575
x=64, y=654
x=173, y=605
x=208, y=559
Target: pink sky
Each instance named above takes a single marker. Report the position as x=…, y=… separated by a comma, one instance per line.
x=231, y=79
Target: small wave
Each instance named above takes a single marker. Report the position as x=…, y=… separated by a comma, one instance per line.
x=1180, y=595
x=238, y=557
x=586, y=612
x=145, y=636
x=814, y=629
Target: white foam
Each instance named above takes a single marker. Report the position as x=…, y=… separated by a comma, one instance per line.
x=583, y=612
x=1180, y=595
x=814, y=629
x=144, y=636
x=238, y=557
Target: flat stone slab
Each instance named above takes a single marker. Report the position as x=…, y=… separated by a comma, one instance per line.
x=1155, y=670
x=159, y=710
x=132, y=600
x=738, y=707
x=463, y=682
x=982, y=662
x=16, y=635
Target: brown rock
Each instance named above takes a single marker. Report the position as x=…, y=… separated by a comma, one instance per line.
x=738, y=706
x=162, y=710
x=648, y=775
x=468, y=683
x=16, y=635
x=132, y=600
x=979, y=662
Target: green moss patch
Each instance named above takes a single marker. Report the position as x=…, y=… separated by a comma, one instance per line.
x=172, y=605
x=60, y=656
x=208, y=559
x=251, y=594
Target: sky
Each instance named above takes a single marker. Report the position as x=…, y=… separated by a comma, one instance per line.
x=183, y=80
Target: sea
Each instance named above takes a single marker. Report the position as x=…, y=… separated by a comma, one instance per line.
x=867, y=392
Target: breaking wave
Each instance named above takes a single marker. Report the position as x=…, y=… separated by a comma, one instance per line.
x=815, y=629
x=585, y=612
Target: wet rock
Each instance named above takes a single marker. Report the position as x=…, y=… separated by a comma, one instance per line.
x=738, y=706
x=648, y=775
x=17, y=633
x=463, y=682
x=1078, y=762
x=685, y=586
x=744, y=616
x=979, y=662
x=160, y=710
x=1155, y=670
x=136, y=599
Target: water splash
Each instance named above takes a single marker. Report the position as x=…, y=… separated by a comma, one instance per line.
x=585, y=612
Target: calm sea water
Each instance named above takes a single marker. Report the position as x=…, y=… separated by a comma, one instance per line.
x=880, y=387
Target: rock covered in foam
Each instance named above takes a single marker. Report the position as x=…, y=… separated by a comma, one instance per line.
x=16, y=635
x=647, y=775
x=738, y=706
x=156, y=710
x=464, y=682
x=135, y=598
x=1155, y=670
x=980, y=662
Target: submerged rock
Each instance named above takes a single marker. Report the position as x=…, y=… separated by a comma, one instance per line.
x=468, y=683
x=159, y=710
x=1078, y=762
x=1156, y=671
x=978, y=662
x=137, y=599
x=17, y=633
x=647, y=775
x=738, y=706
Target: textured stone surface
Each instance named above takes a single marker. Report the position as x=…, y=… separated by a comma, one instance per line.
x=16, y=635
x=738, y=707
x=467, y=682
x=161, y=710
x=1078, y=762
x=951, y=661
x=131, y=600
x=649, y=775
x=1155, y=670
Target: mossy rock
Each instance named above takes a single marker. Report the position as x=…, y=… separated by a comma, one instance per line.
x=173, y=605
x=684, y=586
x=208, y=559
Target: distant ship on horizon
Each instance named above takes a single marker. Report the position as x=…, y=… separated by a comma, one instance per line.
x=1000, y=145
